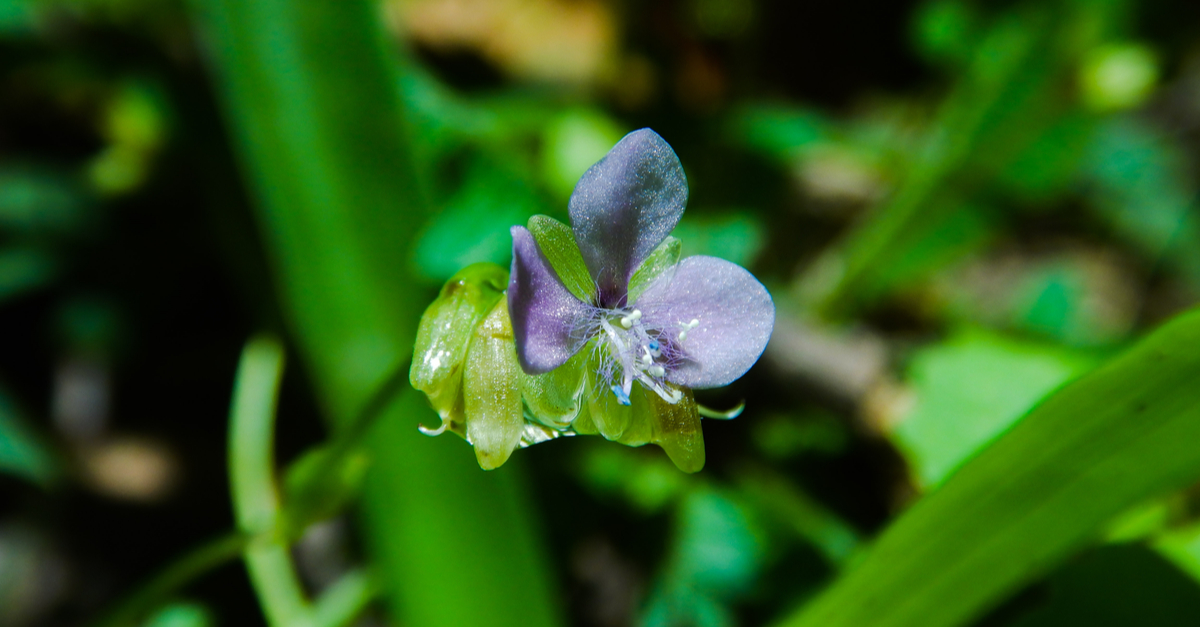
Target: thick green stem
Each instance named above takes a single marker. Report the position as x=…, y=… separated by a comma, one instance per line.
x=310, y=92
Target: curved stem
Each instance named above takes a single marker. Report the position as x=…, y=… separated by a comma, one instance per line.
x=255, y=494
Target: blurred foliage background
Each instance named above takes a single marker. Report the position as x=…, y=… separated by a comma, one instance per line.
x=959, y=207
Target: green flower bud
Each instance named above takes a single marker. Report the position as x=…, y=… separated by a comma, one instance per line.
x=608, y=413
x=445, y=334
x=676, y=428
x=492, y=390
x=555, y=398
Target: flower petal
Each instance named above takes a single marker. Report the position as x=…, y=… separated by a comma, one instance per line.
x=624, y=206
x=734, y=315
x=544, y=313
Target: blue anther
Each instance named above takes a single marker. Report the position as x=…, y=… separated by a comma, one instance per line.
x=622, y=397
x=653, y=345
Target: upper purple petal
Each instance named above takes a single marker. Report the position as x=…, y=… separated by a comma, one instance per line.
x=734, y=312
x=624, y=206
x=544, y=313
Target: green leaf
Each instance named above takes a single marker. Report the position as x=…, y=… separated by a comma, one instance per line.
x=41, y=202
x=20, y=451
x=316, y=488
x=1139, y=181
x=474, y=225
x=716, y=556
x=1123, y=434
x=779, y=131
x=648, y=482
x=17, y=17
x=557, y=242
x=664, y=256
x=1115, y=586
x=969, y=390
x=23, y=269
x=311, y=100
x=945, y=31
x=181, y=615
x=572, y=142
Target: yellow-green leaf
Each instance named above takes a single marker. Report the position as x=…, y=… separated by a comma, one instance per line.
x=1100, y=446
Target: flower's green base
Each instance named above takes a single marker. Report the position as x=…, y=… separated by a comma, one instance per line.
x=465, y=361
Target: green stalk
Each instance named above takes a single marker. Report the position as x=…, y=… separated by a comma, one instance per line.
x=255, y=495
x=310, y=94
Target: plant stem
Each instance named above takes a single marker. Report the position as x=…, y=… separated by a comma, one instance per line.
x=255, y=494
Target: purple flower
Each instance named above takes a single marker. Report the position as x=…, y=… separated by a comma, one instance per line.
x=701, y=323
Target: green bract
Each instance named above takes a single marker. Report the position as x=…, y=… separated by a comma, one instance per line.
x=445, y=334
x=465, y=361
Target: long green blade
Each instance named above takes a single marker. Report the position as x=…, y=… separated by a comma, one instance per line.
x=309, y=93
x=1126, y=432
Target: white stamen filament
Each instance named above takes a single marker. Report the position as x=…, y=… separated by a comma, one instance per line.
x=636, y=349
x=672, y=396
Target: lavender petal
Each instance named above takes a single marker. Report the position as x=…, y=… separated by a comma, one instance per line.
x=734, y=317
x=624, y=206
x=544, y=313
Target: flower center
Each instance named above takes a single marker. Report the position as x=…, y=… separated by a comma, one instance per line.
x=633, y=349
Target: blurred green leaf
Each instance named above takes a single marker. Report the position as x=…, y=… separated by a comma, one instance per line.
x=40, y=201
x=1138, y=179
x=1182, y=547
x=716, y=555
x=776, y=496
x=944, y=30
x=782, y=436
x=930, y=246
x=316, y=488
x=1004, y=101
x=1049, y=166
x=573, y=141
x=21, y=453
x=970, y=389
x=780, y=131
x=736, y=236
x=1116, y=586
x=310, y=91
x=473, y=226
x=23, y=269
x=1115, y=438
x=180, y=615
x=645, y=479
x=16, y=17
